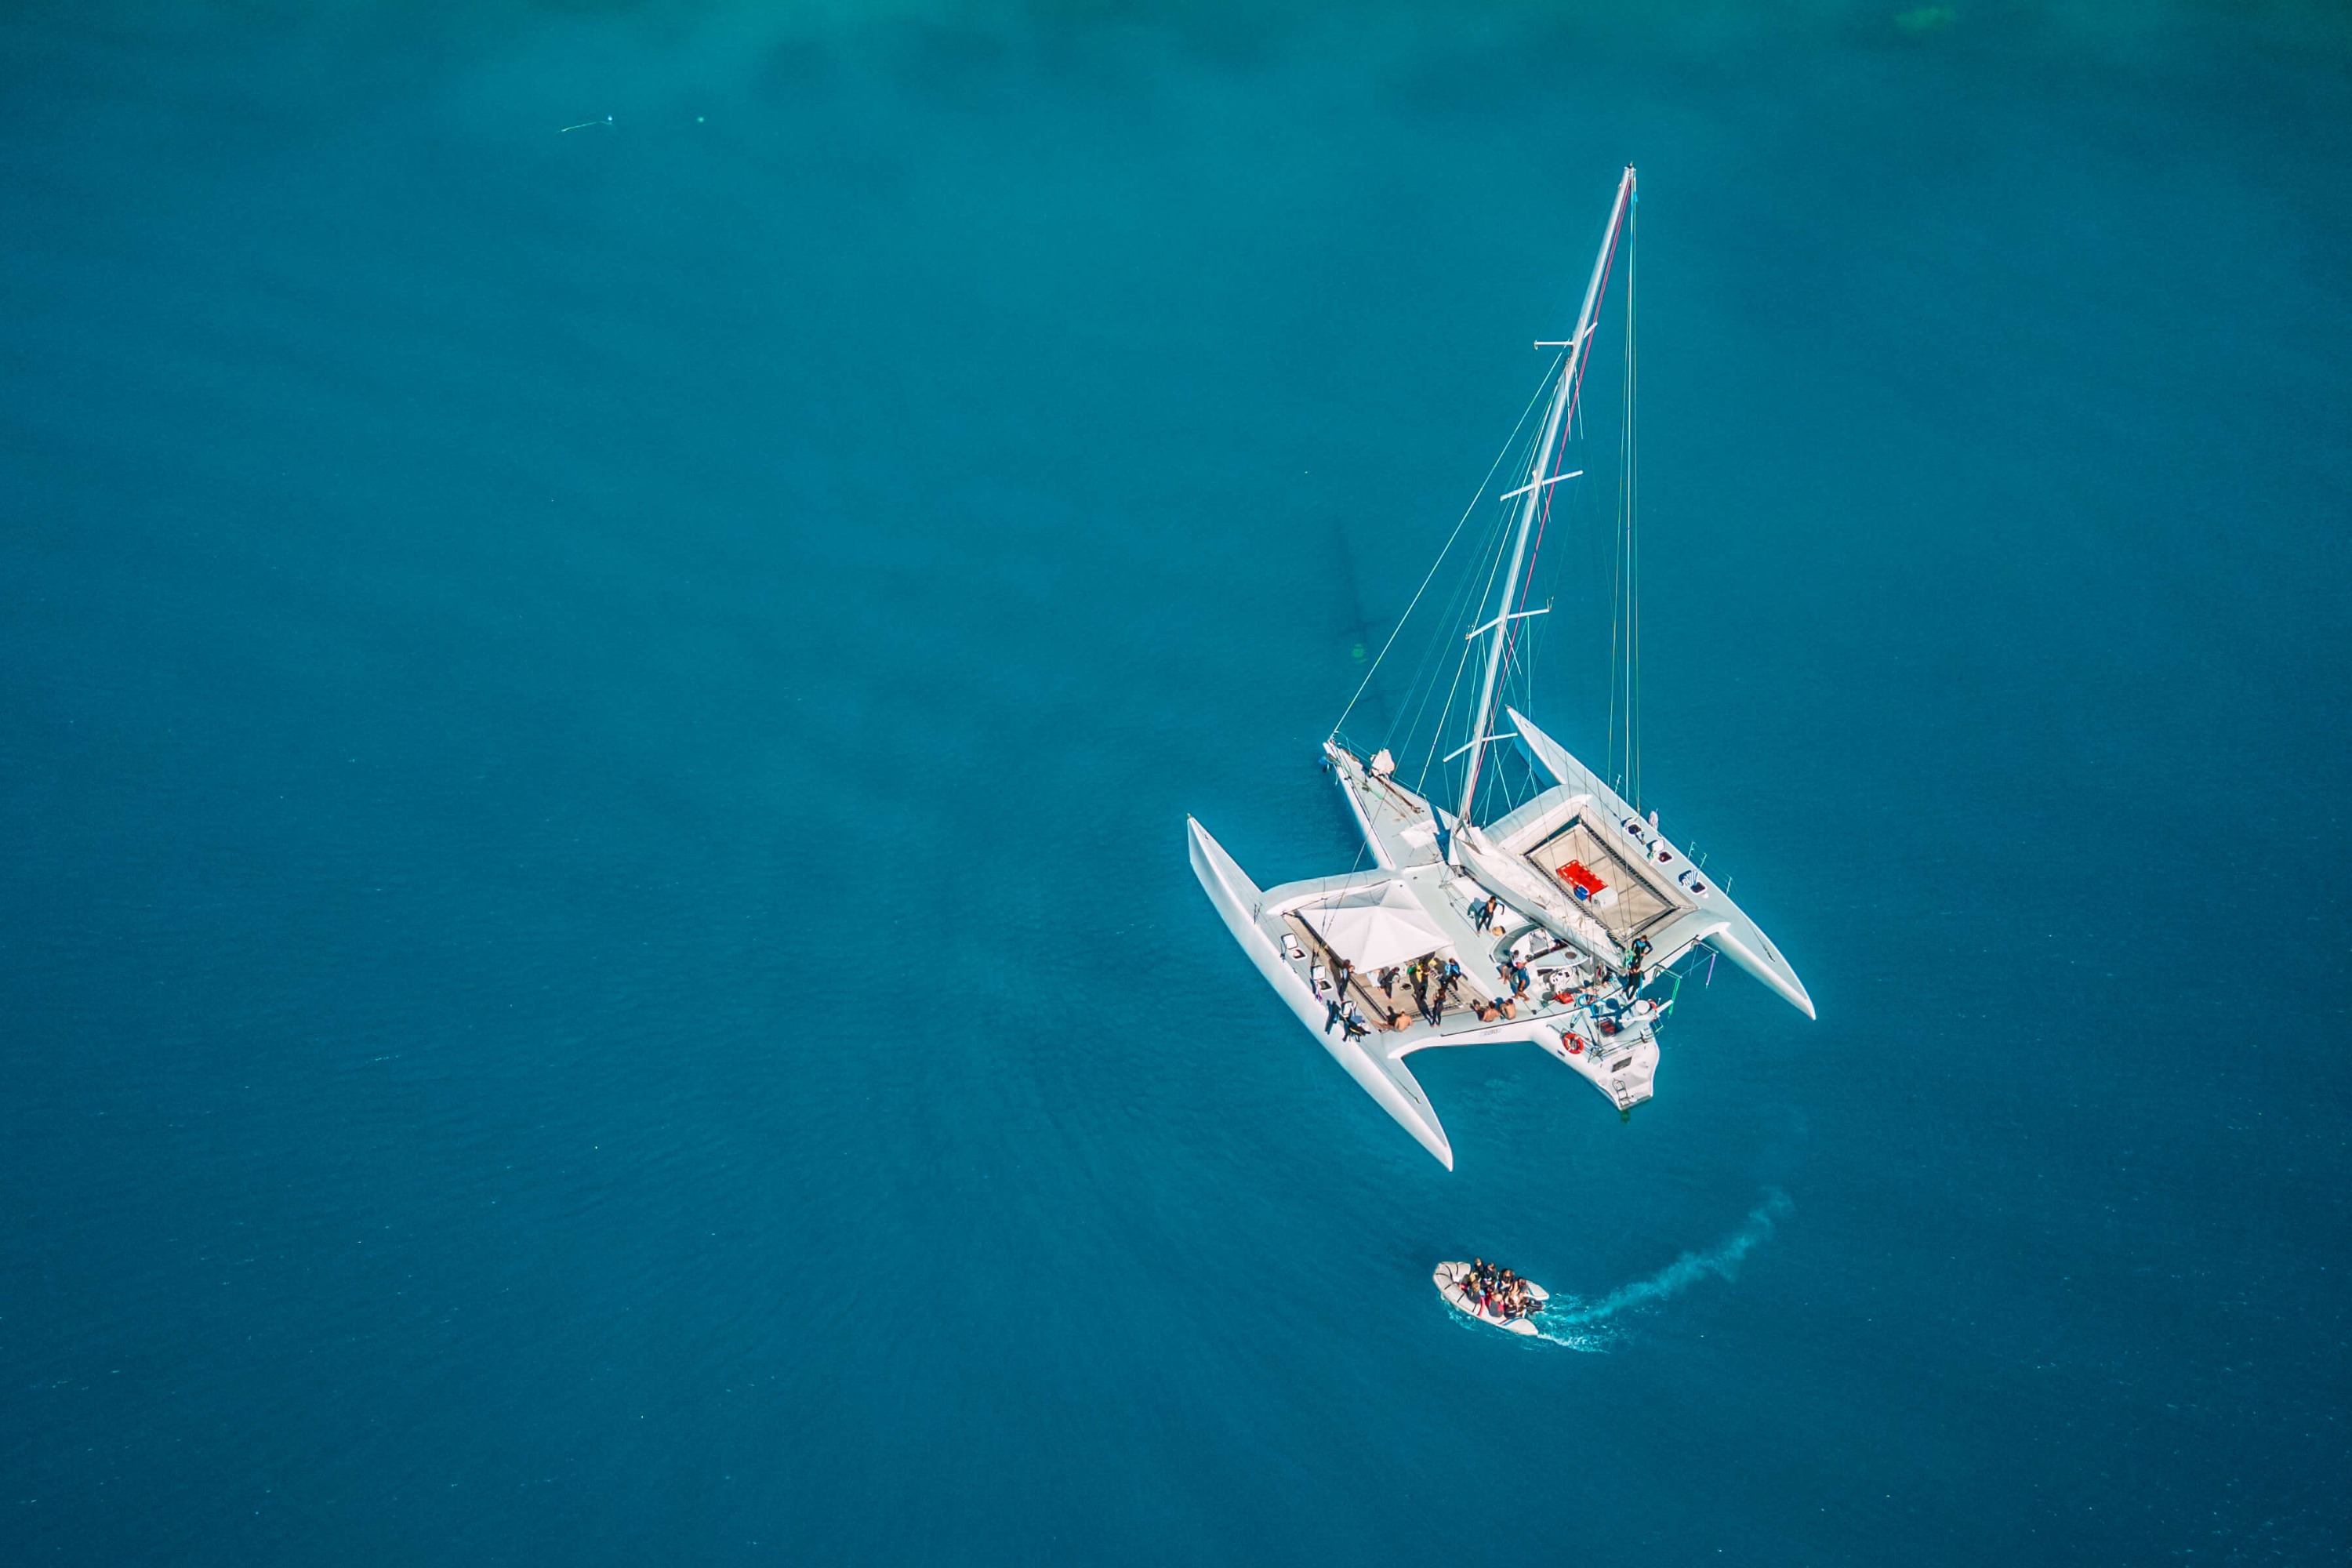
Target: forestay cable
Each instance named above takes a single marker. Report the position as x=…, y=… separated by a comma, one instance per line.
x=1432, y=576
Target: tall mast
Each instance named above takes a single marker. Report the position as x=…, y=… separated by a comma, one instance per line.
x=1539, y=480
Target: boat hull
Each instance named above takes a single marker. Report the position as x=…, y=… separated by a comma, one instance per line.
x=1452, y=1280
x=1240, y=902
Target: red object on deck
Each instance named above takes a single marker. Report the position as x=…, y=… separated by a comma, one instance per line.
x=1579, y=875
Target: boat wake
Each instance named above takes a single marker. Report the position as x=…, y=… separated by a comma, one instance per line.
x=1584, y=1325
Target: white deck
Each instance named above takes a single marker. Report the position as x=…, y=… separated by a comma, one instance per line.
x=1295, y=962
x=1587, y=1022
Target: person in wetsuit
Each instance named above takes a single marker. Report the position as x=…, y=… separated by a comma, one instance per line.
x=1453, y=978
x=1635, y=956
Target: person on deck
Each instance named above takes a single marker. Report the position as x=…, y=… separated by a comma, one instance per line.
x=1517, y=973
x=1635, y=956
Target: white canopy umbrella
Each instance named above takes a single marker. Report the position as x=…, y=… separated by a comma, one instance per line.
x=1378, y=928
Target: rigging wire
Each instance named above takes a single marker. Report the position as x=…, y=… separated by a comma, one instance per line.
x=1472, y=591
x=1520, y=640
x=1507, y=638
x=1467, y=595
x=1470, y=601
x=1432, y=574
x=1458, y=610
x=1630, y=487
x=1625, y=606
x=1437, y=735
x=1424, y=680
x=1541, y=634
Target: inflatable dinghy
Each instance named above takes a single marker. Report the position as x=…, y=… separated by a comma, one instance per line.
x=1453, y=1283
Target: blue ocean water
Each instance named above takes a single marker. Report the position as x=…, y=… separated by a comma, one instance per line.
x=598, y=960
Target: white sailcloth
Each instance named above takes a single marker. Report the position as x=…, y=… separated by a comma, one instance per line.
x=1378, y=929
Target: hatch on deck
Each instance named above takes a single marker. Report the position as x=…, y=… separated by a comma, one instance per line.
x=1638, y=904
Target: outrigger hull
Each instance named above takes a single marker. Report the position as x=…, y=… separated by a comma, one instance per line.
x=1710, y=916
x=1241, y=902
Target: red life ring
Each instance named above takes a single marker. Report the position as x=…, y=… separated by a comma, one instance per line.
x=1576, y=1044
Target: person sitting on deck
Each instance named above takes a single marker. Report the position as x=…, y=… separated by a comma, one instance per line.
x=1354, y=1024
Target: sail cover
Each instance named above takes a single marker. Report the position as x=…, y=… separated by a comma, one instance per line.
x=1377, y=927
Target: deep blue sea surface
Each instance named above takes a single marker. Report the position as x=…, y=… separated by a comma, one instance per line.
x=596, y=958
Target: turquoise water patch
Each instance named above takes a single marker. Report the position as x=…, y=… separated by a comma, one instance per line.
x=599, y=957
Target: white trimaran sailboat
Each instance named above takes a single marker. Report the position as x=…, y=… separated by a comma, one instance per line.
x=1545, y=924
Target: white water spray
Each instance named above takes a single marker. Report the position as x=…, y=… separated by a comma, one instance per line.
x=1676, y=1277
